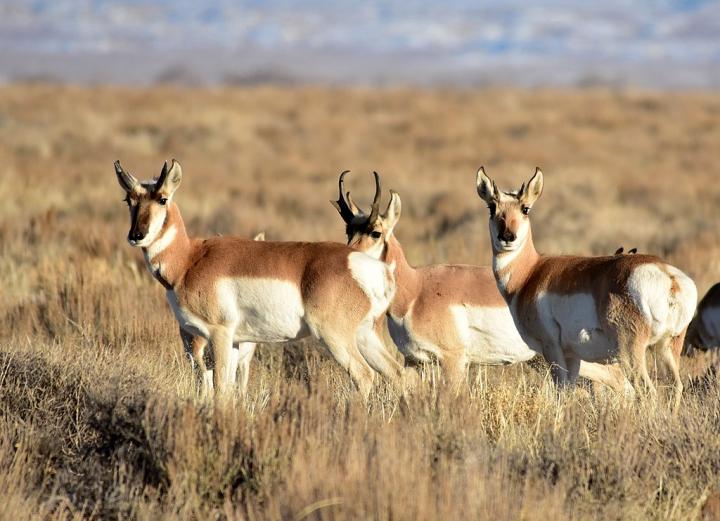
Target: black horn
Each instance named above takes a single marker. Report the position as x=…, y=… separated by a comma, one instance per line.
x=163, y=175
x=341, y=204
x=127, y=181
x=375, y=211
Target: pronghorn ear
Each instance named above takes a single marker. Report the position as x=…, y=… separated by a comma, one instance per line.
x=534, y=188
x=392, y=214
x=259, y=237
x=127, y=182
x=486, y=188
x=169, y=179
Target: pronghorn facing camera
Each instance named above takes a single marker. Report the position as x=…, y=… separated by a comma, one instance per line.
x=704, y=330
x=585, y=308
x=453, y=313
x=230, y=289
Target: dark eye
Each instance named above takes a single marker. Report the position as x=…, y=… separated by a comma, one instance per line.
x=162, y=201
x=375, y=235
x=525, y=210
x=491, y=207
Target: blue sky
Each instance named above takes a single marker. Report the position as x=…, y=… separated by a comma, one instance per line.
x=613, y=34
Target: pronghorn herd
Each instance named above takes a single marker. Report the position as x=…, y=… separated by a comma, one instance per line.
x=594, y=317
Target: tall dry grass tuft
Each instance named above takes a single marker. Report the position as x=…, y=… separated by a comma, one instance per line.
x=98, y=414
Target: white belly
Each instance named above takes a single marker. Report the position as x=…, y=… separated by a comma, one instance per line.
x=571, y=321
x=489, y=335
x=265, y=310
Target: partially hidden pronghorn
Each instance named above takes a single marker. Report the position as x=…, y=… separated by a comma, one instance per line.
x=704, y=330
x=586, y=308
x=451, y=312
x=240, y=356
x=229, y=289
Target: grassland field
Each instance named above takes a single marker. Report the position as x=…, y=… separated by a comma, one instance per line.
x=99, y=417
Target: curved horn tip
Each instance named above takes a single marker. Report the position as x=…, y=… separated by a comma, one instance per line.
x=375, y=208
x=377, y=185
x=342, y=205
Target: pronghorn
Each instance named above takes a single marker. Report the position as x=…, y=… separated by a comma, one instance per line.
x=453, y=313
x=230, y=289
x=585, y=308
x=704, y=330
x=240, y=356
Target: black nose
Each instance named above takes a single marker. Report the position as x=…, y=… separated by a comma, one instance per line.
x=136, y=236
x=507, y=236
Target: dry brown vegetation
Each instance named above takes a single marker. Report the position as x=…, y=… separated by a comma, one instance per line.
x=98, y=416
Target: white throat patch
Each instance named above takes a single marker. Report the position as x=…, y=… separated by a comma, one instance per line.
x=162, y=242
x=157, y=247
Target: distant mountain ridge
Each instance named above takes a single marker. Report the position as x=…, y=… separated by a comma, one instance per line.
x=649, y=43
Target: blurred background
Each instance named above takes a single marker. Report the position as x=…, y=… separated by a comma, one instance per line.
x=264, y=103
x=661, y=44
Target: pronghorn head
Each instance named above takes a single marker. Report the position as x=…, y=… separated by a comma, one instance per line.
x=368, y=233
x=509, y=221
x=148, y=201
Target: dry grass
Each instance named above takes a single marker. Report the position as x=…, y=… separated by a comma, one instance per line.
x=98, y=416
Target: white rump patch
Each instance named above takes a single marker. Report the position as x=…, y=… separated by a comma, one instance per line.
x=651, y=290
x=375, y=278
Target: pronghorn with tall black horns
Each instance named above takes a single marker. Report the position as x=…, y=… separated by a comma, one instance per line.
x=596, y=309
x=704, y=330
x=453, y=313
x=230, y=289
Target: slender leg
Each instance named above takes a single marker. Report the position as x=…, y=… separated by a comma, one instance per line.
x=346, y=353
x=611, y=375
x=245, y=353
x=187, y=339
x=454, y=365
x=558, y=365
x=195, y=351
x=638, y=365
x=573, y=364
x=221, y=347
x=670, y=354
x=376, y=354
